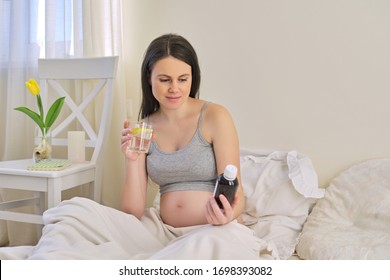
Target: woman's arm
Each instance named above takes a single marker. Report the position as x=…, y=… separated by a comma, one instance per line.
x=225, y=141
x=133, y=196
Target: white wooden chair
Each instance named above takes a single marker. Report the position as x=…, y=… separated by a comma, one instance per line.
x=47, y=186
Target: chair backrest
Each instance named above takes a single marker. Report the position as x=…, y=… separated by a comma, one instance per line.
x=98, y=70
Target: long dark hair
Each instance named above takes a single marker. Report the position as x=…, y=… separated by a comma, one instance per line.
x=161, y=47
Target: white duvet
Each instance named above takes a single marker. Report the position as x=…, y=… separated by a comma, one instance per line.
x=82, y=229
x=280, y=189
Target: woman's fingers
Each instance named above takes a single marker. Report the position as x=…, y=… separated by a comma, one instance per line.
x=216, y=215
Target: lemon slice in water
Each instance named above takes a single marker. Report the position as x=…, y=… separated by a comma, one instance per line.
x=139, y=130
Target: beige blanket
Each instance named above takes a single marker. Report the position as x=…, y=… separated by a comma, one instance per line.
x=83, y=229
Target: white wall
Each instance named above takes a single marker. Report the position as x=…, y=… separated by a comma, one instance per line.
x=308, y=75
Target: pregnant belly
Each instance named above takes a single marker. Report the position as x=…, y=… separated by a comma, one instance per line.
x=184, y=208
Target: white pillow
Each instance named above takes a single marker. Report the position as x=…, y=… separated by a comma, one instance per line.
x=352, y=221
x=280, y=190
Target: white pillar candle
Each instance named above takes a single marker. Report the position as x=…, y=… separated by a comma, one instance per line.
x=76, y=146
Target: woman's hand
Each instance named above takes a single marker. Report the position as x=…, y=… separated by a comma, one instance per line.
x=218, y=216
x=126, y=137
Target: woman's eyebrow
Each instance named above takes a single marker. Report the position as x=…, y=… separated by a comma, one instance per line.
x=165, y=75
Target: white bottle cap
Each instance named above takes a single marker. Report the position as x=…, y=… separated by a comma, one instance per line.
x=230, y=172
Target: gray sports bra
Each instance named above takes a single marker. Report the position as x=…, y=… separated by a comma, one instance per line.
x=191, y=168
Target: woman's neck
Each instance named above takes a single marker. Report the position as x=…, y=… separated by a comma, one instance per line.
x=176, y=115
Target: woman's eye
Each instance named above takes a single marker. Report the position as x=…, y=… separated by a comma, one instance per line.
x=164, y=80
x=182, y=80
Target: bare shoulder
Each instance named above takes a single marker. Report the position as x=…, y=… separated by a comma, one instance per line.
x=217, y=112
x=217, y=122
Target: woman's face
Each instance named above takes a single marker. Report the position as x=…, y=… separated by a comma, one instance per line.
x=171, y=82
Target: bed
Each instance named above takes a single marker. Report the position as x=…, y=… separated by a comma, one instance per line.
x=287, y=216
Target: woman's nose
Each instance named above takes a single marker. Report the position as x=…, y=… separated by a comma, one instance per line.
x=174, y=87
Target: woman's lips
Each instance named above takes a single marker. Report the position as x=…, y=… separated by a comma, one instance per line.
x=173, y=98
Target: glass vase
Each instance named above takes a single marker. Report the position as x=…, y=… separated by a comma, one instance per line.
x=42, y=152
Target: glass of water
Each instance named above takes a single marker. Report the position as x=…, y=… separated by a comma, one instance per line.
x=141, y=133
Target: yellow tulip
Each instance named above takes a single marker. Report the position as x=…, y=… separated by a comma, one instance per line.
x=39, y=118
x=33, y=87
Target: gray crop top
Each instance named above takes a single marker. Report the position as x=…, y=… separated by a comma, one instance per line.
x=191, y=168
